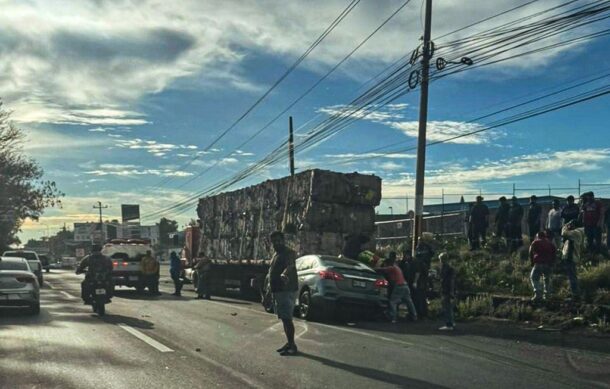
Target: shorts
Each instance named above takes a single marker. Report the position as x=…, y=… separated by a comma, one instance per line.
x=284, y=304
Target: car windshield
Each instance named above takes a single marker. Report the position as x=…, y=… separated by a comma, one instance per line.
x=345, y=263
x=30, y=256
x=14, y=265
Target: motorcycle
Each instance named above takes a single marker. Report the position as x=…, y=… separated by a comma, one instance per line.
x=97, y=294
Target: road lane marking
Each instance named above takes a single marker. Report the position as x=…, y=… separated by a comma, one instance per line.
x=353, y=331
x=68, y=295
x=146, y=339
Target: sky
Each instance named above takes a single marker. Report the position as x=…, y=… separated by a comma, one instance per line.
x=121, y=100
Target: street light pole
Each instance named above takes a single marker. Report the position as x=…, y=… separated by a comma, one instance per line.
x=421, y=139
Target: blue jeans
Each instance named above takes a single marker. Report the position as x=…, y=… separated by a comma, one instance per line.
x=541, y=270
x=284, y=304
x=401, y=294
x=447, y=306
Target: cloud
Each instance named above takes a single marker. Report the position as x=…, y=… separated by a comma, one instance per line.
x=129, y=170
x=153, y=147
x=91, y=64
x=441, y=130
x=349, y=156
x=523, y=165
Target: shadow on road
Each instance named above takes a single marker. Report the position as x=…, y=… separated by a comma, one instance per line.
x=130, y=321
x=374, y=374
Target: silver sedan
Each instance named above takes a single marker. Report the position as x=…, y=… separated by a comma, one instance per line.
x=18, y=285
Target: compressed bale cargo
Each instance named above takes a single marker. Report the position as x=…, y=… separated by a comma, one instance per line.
x=316, y=209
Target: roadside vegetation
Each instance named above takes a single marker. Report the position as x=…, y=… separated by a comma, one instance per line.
x=494, y=284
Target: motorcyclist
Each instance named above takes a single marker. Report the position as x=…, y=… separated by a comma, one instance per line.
x=94, y=264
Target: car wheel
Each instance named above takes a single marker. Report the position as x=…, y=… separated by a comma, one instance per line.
x=306, y=310
x=139, y=289
x=35, y=309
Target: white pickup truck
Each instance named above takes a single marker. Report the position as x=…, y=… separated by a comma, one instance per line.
x=126, y=255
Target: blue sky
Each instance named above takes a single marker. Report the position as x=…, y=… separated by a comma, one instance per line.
x=116, y=97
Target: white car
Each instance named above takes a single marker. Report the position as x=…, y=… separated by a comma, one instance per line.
x=33, y=260
x=18, y=285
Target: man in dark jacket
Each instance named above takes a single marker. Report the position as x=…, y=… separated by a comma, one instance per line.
x=533, y=217
x=592, y=215
x=423, y=257
x=502, y=217
x=94, y=264
x=284, y=286
x=203, y=268
x=479, y=220
x=515, y=217
x=175, y=269
x=542, y=255
x=570, y=211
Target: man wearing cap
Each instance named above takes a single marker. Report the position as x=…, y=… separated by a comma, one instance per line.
x=553, y=223
x=592, y=215
x=502, y=217
x=570, y=211
x=533, y=217
x=479, y=220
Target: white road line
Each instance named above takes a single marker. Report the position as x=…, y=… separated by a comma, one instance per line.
x=353, y=331
x=68, y=295
x=146, y=339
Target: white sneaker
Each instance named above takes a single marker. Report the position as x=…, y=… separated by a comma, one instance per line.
x=446, y=328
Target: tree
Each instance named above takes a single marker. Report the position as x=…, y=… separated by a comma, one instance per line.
x=23, y=192
x=166, y=227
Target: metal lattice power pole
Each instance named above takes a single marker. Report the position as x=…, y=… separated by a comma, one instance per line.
x=423, y=119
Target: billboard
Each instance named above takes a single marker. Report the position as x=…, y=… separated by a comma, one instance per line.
x=130, y=212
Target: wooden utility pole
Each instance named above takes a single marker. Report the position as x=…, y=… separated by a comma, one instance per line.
x=100, y=207
x=421, y=139
x=291, y=146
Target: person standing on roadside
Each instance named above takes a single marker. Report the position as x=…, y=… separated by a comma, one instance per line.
x=400, y=290
x=284, y=286
x=574, y=241
x=553, y=223
x=570, y=211
x=150, y=270
x=502, y=217
x=447, y=292
x=592, y=215
x=533, y=217
x=423, y=258
x=515, y=217
x=175, y=268
x=479, y=220
x=542, y=255
x=203, y=267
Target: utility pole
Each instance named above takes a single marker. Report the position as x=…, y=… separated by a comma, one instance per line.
x=291, y=146
x=421, y=138
x=100, y=207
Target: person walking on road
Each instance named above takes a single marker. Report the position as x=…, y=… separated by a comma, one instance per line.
x=542, y=255
x=533, y=217
x=400, y=290
x=502, y=217
x=592, y=215
x=570, y=211
x=553, y=223
x=447, y=292
x=203, y=267
x=150, y=270
x=175, y=268
x=515, y=217
x=479, y=220
x=284, y=286
x=574, y=241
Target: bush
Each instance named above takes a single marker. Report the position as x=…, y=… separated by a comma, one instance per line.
x=593, y=279
x=474, y=306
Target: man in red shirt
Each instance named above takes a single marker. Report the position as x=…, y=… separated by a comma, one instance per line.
x=592, y=212
x=542, y=255
x=399, y=287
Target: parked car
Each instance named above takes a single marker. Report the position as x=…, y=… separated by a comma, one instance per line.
x=46, y=262
x=327, y=283
x=18, y=285
x=33, y=261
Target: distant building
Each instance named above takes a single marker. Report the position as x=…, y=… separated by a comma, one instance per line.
x=90, y=232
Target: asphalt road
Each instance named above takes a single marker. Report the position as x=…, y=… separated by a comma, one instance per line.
x=171, y=342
